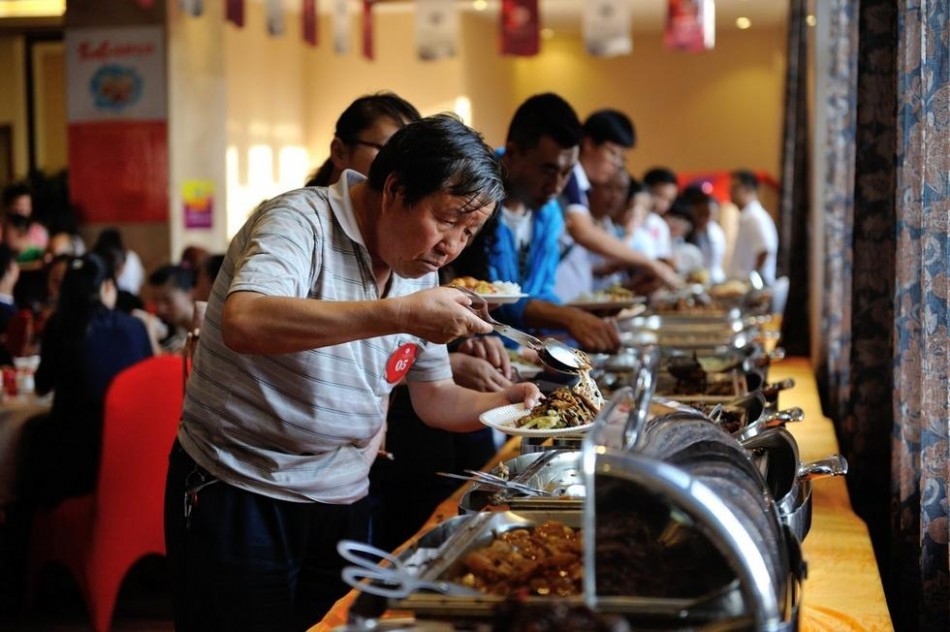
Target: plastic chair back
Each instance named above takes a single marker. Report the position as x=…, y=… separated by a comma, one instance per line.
x=100, y=536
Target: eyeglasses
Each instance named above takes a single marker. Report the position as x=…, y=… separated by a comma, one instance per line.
x=376, y=146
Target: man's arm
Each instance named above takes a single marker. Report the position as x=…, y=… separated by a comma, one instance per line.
x=591, y=236
x=260, y=324
x=593, y=333
x=447, y=406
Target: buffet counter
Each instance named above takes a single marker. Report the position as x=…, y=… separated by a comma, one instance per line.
x=843, y=589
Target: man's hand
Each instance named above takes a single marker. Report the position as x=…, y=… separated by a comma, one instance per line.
x=526, y=392
x=593, y=333
x=666, y=275
x=491, y=349
x=477, y=374
x=440, y=315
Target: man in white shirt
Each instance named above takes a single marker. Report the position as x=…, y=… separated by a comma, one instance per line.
x=662, y=184
x=708, y=235
x=608, y=136
x=756, y=244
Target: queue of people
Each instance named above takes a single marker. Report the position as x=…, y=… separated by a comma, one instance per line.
x=331, y=343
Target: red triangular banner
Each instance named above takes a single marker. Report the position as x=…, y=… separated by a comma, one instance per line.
x=368, y=29
x=310, y=22
x=520, y=27
x=234, y=12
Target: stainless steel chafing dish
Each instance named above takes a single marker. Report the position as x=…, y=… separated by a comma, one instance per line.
x=690, y=330
x=671, y=540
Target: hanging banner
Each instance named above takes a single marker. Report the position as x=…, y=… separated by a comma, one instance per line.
x=606, y=27
x=197, y=197
x=276, y=26
x=115, y=74
x=690, y=25
x=117, y=132
x=309, y=19
x=234, y=12
x=437, y=26
x=341, y=27
x=194, y=8
x=520, y=27
x=368, y=29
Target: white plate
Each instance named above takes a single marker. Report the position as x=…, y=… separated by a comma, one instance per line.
x=607, y=304
x=502, y=299
x=504, y=417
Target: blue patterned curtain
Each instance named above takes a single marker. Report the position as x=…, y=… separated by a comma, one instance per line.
x=834, y=363
x=884, y=360
x=794, y=206
x=865, y=428
x=922, y=298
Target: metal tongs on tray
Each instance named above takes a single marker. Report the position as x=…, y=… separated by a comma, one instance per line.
x=394, y=581
x=551, y=351
x=490, y=480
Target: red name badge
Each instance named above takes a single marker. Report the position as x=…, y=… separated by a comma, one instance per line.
x=400, y=361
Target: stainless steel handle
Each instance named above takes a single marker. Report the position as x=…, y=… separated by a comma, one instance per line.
x=834, y=465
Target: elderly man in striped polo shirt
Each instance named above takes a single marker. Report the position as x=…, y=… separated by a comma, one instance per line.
x=327, y=298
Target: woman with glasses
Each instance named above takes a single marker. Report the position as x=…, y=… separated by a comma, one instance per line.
x=361, y=131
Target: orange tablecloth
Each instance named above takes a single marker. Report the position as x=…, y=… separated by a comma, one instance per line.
x=843, y=590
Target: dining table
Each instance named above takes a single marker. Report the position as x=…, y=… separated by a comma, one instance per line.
x=843, y=588
x=16, y=412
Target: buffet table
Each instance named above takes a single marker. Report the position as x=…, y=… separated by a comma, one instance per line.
x=843, y=590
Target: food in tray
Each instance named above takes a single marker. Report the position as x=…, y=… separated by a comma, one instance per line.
x=546, y=560
x=733, y=288
x=486, y=287
x=516, y=614
x=640, y=554
x=614, y=293
x=693, y=303
x=698, y=275
x=730, y=419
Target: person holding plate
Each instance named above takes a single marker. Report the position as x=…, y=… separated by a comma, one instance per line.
x=328, y=297
x=521, y=243
x=413, y=451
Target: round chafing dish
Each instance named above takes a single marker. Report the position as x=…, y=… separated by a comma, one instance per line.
x=788, y=479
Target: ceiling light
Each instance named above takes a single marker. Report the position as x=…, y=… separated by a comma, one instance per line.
x=811, y=20
x=547, y=33
x=480, y=5
x=743, y=23
x=32, y=8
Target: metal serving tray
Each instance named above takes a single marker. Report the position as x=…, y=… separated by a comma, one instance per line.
x=481, y=530
x=555, y=471
x=726, y=387
x=686, y=330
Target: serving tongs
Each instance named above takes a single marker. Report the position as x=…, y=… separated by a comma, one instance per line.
x=490, y=480
x=552, y=352
x=393, y=581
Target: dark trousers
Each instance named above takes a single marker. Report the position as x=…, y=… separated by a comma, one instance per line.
x=242, y=561
x=407, y=490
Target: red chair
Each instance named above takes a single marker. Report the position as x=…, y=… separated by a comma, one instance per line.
x=100, y=536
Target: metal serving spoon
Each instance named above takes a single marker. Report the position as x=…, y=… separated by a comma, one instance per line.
x=551, y=351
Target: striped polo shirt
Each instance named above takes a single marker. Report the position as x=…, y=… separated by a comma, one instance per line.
x=307, y=425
